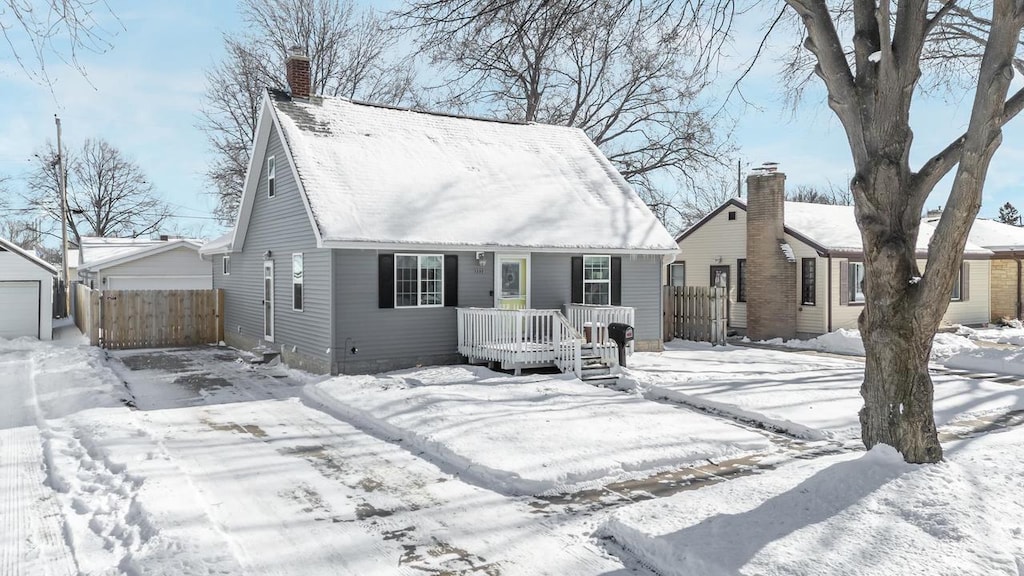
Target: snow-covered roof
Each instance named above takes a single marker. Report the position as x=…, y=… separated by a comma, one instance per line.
x=996, y=236
x=120, y=250
x=380, y=175
x=830, y=228
x=30, y=256
x=218, y=245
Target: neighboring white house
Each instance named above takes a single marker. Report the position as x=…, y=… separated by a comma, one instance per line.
x=795, y=269
x=26, y=293
x=143, y=264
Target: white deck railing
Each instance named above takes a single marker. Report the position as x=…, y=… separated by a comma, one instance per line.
x=593, y=321
x=519, y=338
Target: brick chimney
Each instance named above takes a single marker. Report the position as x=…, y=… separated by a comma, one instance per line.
x=771, y=277
x=297, y=70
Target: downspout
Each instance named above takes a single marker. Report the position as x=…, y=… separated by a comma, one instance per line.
x=828, y=314
x=1017, y=258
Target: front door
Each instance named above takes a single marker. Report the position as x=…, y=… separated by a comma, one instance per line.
x=720, y=274
x=511, y=282
x=268, y=300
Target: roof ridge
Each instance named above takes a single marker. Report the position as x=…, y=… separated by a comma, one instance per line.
x=282, y=96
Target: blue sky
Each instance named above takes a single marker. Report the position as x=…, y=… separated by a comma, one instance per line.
x=144, y=94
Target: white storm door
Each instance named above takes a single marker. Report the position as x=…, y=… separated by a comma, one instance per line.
x=268, y=300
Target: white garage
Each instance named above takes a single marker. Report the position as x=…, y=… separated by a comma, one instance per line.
x=143, y=264
x=26, y=294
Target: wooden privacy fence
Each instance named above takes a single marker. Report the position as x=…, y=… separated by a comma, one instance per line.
x=696, y=313
x=119, y=319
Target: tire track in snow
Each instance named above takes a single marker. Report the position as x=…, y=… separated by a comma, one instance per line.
x=31, y=529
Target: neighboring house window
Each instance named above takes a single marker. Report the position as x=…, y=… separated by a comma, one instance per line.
x=732, y=215
x=807, y=283
x=597, y=280
x=961, y=284
x=419, y=280
x=741, y=280
x=677, y=274
x=227, y=265
x=297, y=281
x=271, y=177
x=856, y=281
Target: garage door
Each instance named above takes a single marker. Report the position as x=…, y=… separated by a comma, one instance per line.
x=143, y=283
x=19, y=309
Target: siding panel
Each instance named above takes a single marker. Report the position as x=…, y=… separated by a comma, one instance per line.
x=178, y=262
x=281, y=225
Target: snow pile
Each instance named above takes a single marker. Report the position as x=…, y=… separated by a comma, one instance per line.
x=989, y=360
x=531, y=434
x=863, y=515
x=848, y=342
x=812, y=397
x=1012, y=334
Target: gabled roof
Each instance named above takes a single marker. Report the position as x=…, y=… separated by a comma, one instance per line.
x=829, y=229
x=6, y=245
x=124, y=255
x=374, y=176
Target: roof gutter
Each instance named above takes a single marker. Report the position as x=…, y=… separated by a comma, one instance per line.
x=372, y=245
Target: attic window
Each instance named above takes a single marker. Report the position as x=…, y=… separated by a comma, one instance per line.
x=732, y=214
x=271, y=177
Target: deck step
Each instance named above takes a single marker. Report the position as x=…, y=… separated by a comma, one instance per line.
x=602, y=381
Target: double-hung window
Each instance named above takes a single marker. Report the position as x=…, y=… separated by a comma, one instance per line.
x=597, y=280
x=419, y=280
x=271, y=177
x=958, y=285
x=677, y=274
x=807, y=282
x=856, y=279
x=297, y=281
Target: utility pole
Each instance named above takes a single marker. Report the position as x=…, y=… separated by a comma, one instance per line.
x=739, y=178
x=63, y=185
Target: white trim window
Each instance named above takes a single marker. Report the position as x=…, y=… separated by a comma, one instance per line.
x=271, y=177
x=597, y=280
x=856, y=279
x=419, y=280
x=677, y=274
x=226, y=266
x=958, y=285
x=297, y=282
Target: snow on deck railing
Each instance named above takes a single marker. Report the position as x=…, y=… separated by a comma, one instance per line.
x=518, y=338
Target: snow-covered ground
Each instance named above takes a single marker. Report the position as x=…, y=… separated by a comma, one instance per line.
x=813, y=397
x=191, y=462
x=533, y=434
x=848, y=342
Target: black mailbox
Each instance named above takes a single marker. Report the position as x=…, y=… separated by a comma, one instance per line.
x=622, y=334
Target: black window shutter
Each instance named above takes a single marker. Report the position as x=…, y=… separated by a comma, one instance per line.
x=577, y=280
x=386, y=280
x=616, y=281
x=451, y=280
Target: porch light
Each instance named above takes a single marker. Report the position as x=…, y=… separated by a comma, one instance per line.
x=481, y=259
x=267, y=255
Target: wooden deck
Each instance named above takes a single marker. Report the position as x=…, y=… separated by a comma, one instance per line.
x=528, y=338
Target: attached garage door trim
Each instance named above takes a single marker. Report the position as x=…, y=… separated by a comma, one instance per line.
x=36, y=314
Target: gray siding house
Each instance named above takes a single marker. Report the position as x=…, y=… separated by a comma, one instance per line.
x=372, y=238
